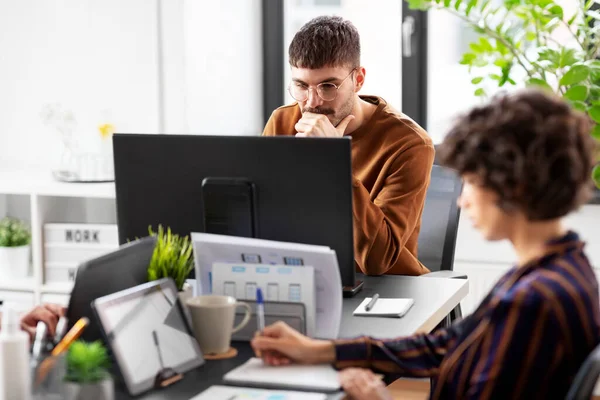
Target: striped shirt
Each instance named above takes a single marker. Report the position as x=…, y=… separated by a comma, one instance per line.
x=526, y=340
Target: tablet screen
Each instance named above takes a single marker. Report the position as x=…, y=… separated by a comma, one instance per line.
x=147, y=333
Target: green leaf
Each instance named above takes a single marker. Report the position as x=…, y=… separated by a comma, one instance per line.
x=550, y=55
x=596, y=133
x=419, y=4
x=593, y=64
x=467, y=59
x=476, y=80
x=595, y=113
x=485, y=44
x=530, y=36
x=576, y=74
x=495, y=77
x=447, y=3
x=568, y=57
x=500, y=62
x=556, y=11
x=572, y=19
x=457, y=5
x=539, y=83
x=577, y=93
x=596, y=175
x=470, y=5
x=479, y=92
x=476, y=48
x=580, y=105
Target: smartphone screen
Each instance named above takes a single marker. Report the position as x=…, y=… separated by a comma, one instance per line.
x=229, y=207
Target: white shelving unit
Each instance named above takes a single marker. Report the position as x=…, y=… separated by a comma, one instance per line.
x=33, y=195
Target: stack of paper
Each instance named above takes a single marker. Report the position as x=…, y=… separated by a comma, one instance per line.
x=211, y=248
x=218, y=392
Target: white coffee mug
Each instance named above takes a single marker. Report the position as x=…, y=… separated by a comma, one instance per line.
x=212, y=321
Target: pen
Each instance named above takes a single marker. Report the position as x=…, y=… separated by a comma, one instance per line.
x=260, y=310
x=371, y=304
x=71, y=336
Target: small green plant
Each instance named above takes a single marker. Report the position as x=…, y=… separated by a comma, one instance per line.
x=87, y=362
x=172, y=257
x=13, y=233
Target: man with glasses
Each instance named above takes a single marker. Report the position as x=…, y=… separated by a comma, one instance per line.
x=391, y=154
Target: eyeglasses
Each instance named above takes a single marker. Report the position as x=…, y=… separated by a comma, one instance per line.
x=327, y=91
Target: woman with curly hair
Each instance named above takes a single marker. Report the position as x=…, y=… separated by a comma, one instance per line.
x=525, y=160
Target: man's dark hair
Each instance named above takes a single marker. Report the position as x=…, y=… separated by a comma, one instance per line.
x=325, y=41
x=531, y=148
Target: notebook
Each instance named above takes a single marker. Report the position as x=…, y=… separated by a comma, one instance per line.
x=395, y=308
x=218, y=392
x=254, y=373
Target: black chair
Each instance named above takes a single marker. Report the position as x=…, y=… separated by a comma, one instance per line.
x=585, y=381
x=439, y=228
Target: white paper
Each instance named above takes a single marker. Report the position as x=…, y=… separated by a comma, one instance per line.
x=277, y=282
x=385, y=307
x=295, y=376
x=218, y=392
x=211, y=248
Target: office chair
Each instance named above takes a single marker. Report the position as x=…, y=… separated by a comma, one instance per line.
x=439, y=228
x=585, y=381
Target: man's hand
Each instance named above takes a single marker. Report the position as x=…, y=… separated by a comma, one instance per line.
x=47, y=313
x=318, y=125
x=362, y=384
x=279, y=344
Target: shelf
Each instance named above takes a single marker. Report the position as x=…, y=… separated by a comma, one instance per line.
x=28, y=180
x=17, y=285
x=58, y=287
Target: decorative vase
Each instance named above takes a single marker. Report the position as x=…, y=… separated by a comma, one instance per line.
x=103, y=390
x=14, y=262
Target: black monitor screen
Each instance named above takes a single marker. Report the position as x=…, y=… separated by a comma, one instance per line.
x=278, y=188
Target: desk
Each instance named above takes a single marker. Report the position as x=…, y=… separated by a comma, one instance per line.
x=434, y=298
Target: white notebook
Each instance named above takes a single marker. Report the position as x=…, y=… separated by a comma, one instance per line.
x=254, y=373
x=218, y=392
x=385, y=308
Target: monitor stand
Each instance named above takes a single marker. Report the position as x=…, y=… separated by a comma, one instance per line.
x=351, y=291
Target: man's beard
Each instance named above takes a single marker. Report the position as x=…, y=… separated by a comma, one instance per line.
x=334, y=117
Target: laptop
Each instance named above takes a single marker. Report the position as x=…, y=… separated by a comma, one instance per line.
x=122, y=269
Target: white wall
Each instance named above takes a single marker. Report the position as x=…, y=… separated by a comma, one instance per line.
x=223, y=67
x=96, y=58
x=147, y=66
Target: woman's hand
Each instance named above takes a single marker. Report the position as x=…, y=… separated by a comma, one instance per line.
x=279, y=344
x=362, y=384
x=47, y=313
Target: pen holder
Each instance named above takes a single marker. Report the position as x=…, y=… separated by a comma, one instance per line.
x=48, y=378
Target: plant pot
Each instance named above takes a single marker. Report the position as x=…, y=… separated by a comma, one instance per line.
x=103, y=390
x=14, y=262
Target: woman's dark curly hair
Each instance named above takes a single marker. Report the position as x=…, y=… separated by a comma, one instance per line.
x=529, y=147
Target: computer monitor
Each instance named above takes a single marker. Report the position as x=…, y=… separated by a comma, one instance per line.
x=277, y=188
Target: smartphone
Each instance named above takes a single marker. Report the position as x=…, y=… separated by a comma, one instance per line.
x=229, y=206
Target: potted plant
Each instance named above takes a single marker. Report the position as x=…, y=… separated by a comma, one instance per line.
x=87, y=376
x=525, y=42
x=172, y=258
x=15, y=249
